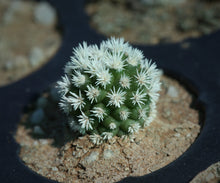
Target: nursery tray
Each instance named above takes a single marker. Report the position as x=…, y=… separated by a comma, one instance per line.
x=197, y=66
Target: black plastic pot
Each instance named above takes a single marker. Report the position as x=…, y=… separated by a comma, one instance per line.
x=198, y=66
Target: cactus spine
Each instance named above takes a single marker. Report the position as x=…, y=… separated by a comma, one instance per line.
x=109, y=90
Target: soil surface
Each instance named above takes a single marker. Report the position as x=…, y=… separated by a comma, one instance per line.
x=153, y=22
x=210, y=175
x=168, y=136
x=26, y=41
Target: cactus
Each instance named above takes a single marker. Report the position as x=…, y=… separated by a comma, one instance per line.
x=109, y=90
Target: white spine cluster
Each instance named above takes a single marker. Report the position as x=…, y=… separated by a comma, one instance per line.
x=92, y=93
x=85, y=122
x=99, y=113
x=116, y=98
x=78, y=79
x=139, y=97
x=125, y=81
x=134, y=128
x=77, y=101
x=124, y=115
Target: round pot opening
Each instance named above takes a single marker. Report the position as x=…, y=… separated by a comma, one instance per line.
x=48, y=148
x=154, y=22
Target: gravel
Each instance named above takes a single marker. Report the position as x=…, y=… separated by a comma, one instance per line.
x=19, y=62
x=172, y=92
x=37, y=116
x=8, y=65
x=107, y=154
x=19, y=34
x=36, y=56
x=91, y=158
x=80, y=161
x=44, y=14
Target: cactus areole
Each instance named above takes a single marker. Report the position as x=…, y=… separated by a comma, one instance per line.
x=109, y=90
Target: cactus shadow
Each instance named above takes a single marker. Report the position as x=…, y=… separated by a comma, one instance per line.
x=54, y=123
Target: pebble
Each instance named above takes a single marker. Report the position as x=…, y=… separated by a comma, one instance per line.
x=92, y=157
x=36, y=143
x=107, y=154
x=17, y=6
x=166, y=113
x=44, y=14
x=38, y=131
x=44, y=141
x=188, y=135
x=37, y=116
x=8, y=65
x=54, y=169
x=187, y=25
x=127, y=169
x=172, y=92
x=42, y=102
x=36, y=56
x=9, y=15
x=210, y=176
x=55, y=94
x=177, y=135
x=19, y=61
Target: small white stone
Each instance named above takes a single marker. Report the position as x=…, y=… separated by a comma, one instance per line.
x=127, y=169
x=177, y=135
x=55, y=169
x=107, y=154
x=9, y=65
x=36, y=143
x=38, y=130
x=36, y=56
x=172, y=92
x=44, y=141
x=188, y=135
x=92, y=157
x=20, y=61
x=17, y=6
x=44, y=14
x=210, y=176
x=9, y=16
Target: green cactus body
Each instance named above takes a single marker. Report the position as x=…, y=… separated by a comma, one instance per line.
x=109, y=90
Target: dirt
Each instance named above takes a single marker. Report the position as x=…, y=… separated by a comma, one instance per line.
x=25, y=45
x=168, y=136
x=145, y=23
x=210, y=175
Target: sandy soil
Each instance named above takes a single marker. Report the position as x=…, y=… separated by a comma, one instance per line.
x=210, y=175
x=25, y=45
x=168, y=136
x=141, y=23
